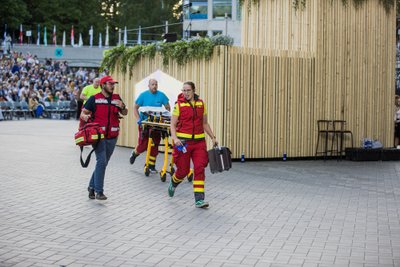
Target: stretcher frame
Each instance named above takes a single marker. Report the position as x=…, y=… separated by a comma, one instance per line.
x=160, y=124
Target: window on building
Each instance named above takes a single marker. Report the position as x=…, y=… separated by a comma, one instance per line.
x=238, y=10
x=216, y=33
x=198, y=33
x=197, y=10
x=220, y=7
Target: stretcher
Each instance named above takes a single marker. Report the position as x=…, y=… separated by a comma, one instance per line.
x=160, y=121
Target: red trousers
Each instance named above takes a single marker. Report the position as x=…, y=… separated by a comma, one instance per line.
x=197, y=152
x=143, y=141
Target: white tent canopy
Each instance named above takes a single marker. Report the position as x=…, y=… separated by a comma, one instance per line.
x=166, y=84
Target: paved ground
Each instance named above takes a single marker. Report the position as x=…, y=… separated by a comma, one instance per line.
x=300, y=213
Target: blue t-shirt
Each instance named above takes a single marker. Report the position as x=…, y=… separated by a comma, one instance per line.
x=148, y=99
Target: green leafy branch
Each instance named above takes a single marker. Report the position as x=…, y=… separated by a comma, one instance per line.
x=182, y=52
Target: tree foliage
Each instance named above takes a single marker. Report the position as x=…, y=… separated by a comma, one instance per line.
x=83, y=14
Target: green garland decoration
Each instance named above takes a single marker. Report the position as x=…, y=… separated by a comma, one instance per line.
x=182, y=51
x=387, y=4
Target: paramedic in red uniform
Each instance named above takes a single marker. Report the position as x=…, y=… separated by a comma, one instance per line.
x=188, y=124
x=104, y=108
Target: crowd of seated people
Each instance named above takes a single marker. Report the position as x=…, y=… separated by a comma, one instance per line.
x=41, y=86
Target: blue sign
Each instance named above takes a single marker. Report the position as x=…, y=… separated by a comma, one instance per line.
x=58, y=52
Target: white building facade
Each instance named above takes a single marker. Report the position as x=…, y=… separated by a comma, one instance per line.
x=212, y=17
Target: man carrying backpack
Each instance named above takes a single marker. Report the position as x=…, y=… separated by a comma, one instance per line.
x=104, y=108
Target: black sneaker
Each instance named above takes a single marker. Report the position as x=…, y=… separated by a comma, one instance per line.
x=101, y=196
x=133, y=157
x=91, y=193
x=152, y=169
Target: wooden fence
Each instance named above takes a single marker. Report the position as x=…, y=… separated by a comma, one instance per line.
x=264, y=99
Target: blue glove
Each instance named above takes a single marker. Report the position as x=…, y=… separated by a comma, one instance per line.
x=139, y=122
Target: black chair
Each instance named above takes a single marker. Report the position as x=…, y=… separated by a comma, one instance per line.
x=326, y=130
x=7, y=111
x=340, y=132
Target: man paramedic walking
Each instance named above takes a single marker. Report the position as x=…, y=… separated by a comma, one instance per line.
x=188, y=124
x=104, y=108
x=149, y=98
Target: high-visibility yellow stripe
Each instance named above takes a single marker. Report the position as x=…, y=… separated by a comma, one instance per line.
x=95, y=136
x=151, y=162
x=176, y=179
x=198, y=189
x=78, y=140
x=199, y=103
x=151, y=157
x=185, y=105
x=198, y=182
x=189, y=136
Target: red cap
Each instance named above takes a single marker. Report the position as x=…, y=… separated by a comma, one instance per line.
x=107, y=79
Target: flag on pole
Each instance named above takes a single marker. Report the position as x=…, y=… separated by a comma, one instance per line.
x=91, y=36
x=5, y=36
x=100, y=41
x=80, y=40
x=38, y=35
x=63, y=42
x=106, y=41
x=125, y=36
x=54, y=36
x=139, y=41
x=21, y=34
x=72, y=36
x=45, y=36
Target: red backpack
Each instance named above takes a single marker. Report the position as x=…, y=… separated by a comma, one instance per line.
x=89, y=134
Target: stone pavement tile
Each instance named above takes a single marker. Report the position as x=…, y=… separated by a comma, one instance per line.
x=115, y=263
x=166, y=262
x=340, y=210
x=356, y=264
x=262, y=263
x=342, y=261
x=295, y=260
x=66, y=261
x=202, y=260
x=282, y=258
x=310, y=264
x=43, y=264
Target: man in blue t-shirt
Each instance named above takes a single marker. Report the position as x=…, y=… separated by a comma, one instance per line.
x=149, y=98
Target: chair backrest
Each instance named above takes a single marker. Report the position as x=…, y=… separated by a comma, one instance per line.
x=67, y=104
x=325, y=125
x=54, y=105
x=339, y=125
x=17, y=105
x=24, y=104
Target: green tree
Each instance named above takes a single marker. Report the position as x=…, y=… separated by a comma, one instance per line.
x=15, y=14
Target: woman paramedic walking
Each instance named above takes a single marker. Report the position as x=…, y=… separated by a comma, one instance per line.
x=188, y=124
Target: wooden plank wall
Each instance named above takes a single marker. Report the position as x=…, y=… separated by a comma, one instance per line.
x=258, y=100
x=207, y=75
x=276, y=25
x=354, y=52
x=264, y=101
x=269, y=103
x=355, y=68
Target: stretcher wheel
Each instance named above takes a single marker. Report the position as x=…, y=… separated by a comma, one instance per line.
x=163, y=177
x=190, y=177
x=146, y=171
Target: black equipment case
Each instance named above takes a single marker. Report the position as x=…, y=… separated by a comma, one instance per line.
x=219, y=159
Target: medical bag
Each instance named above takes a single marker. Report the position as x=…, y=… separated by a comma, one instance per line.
x=89, y=134
x=219, y=159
